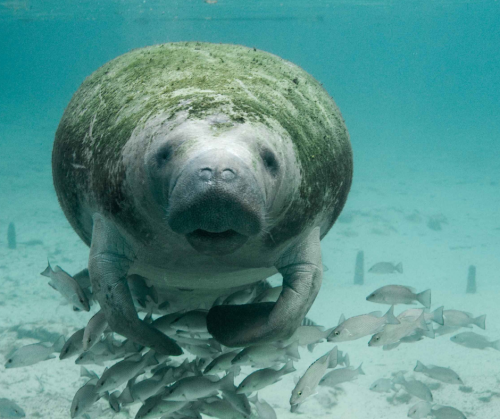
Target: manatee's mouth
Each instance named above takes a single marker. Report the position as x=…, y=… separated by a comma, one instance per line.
x=216, y=243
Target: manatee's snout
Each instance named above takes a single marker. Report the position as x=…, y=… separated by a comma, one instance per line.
x=216, y=202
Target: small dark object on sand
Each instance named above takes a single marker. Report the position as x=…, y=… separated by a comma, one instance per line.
x=11, y=236
x=471, y=280
x=359, y=268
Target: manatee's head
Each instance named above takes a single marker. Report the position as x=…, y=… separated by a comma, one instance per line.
x=216, y=181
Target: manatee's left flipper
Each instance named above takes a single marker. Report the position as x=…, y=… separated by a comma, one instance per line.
x=109, y=262
x=302, y=272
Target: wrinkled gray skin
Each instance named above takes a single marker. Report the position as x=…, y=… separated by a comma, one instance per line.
x=218, y=201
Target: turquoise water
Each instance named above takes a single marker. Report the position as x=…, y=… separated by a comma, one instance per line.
x=418, y=85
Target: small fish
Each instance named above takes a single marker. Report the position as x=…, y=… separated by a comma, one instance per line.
x=221, y=409
x=360, y=326
x=414, y=387
x=264, y=409
x=194, y=388
x=270, y=295
x=399, y=294
x=446, y=330
x=164, y=323
x=475, y=341
x=447, y=412
x=416, y=336
x=263, y=378
x=147, y=388
x=201, y=351
x=456, y=318
x=238, y=401
x=156, y=407
x=414, y=313
x=240, y=297
x=84, y=398
x=221, y=364
x=140, y=290
x=306, y=386
x=393, y=333
x=10, y=410
x=266, y=354
x=446, y=375
x=194, y=321
x=307, y=335
x=420, y=410
x=386, y=268
x=34, y=353
x=94, y=330
x=342, y=375
x=383, y=385
x=73, y=346
x=64, y=283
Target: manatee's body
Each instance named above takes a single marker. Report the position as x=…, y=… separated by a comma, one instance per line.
x=203, y=168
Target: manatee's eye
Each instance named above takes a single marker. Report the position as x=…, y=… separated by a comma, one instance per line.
x=270, y=161
x=164, y=154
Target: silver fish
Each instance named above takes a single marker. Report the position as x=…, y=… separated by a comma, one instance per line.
x=238, y=401
x=194, y=388
x=64, y=283
x=221, y=409
x=447, y=412
x=446, y=375
x=270, y=295
x=140, y=290
x=221, y=364
x=264, y=409
x=399, y=294
x=164, y=323
x=446, y=330
x=73, y=346
x=383, y=385
x=386, y=268
x=147, y=388
x=414, y=387
x=417, y=335
x=414, y=313
x=306, y=386
x=393, y=333
x=94, y=330
x=266, y=354
x=360, y=326
x=420, y=410
x=342, y=375
x=307, y=335
x=34, y=353
x=194, y=321
x=263, y=378
x=84, y=398
x=456, y=318
x=10, y=410
x=475, y=341
x=155, y=407
x=240, y=297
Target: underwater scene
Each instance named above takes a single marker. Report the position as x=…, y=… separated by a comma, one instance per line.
x=250, y=209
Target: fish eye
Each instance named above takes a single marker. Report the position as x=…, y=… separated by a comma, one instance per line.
x=337, y=333
x=377, y=338
x=76, y=408
x=300, y=393
x=9, y=361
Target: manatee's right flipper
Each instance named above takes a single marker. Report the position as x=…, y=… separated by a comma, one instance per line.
x=109, y=262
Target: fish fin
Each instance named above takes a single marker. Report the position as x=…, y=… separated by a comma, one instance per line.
x=59, y=344
x=153, y=293
x=377, y=313
x=480, y=321
x=420, y=322
x=311, y=347
x=51, y=284
x=47, y=271
x=496, y=345
x=429, y=333
x=325, y=268
x=391, y=346
x=437, y=315
x=333, y=357
x=425, y=298
x=347, y=361
x=292, y=350
x=126, y=396
x=390, y=318
x=419, y=367
x=288, y=368
x=399, y=267
x=227, y=382
x=360, y=370
x=342, y=319
x=254, y=399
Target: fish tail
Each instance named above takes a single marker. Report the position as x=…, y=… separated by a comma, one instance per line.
x=288, y=368
x=419, y=367
x=420, y=322
x=480, y=321
x=429, y=333
x=425, y=298
x=48, y=270
x=227, y=382
x=496, y=345
x=59, y=344
x=360, y=370
x=346, y=360
x=333, y=358
x=399, y=267
x=437, y=315
x=389, y=316
x=292, y=350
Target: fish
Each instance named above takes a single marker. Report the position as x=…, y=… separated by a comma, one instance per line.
x=94, y=330
x=414, y=387
x=475, y=341
x=164, y=323
x=266, y=354
x=140, y=290
x=360, y=326
x=383, y=385
x=306, y=386
x=65, y=284
x=73, y=346
x=156, y=407
x=393, y=333
x=147, y=388
x=386, y=268
x=270, y=295
x=34, y=353
x=456, y=318
x=342, y=375
x=447, y=412
x=263, y=378
x=84, y=398
x=445, y=330
x=446, y=375
x=201, y=351
x=221, y=364
x=10, y=409
x=416, y=336
x=413, y=313
x=307, y=336
x=420, y=410
x=238, y=401
x=399, y=294
x=240, y=297
x=194, y=388
x=264, y=409
x=194, y=321
x=219, y=408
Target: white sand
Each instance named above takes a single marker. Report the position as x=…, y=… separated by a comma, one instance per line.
x=387, y=189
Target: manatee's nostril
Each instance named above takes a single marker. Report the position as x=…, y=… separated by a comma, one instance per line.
x=206, y=173
x=228, y=174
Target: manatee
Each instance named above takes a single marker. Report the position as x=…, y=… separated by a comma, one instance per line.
x=203, y=169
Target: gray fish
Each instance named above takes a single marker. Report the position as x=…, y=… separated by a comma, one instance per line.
x=263, y=378
x=456, y=318
x=164, y=323
x=155, y=407
x=416, y=336
x=238, y=401
x=447, y=412
x=383, y=385
x=386, y=268
x=399, y=294
x=475, y=341
x=221, y=364
x=307, y=335
x=34, y=353
x=414, y=387
x=446, y=330
x=10, y=410
x=73, y=346
x=270, y=295
x=140, y=290
x=94, y=330
x=420, y=410
x=264, y=409
x=306, y=386
x=194, y=388
x=221, y=409
x=83, y=278
x=194, y=321
x=393, y=333
x=240, y=297
x=266, y=354
x=342, y=375
x=64, y=283
x=84, y=398
x=414, y=313
x=147, y=388
x=360, y=326
x=446, y=375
